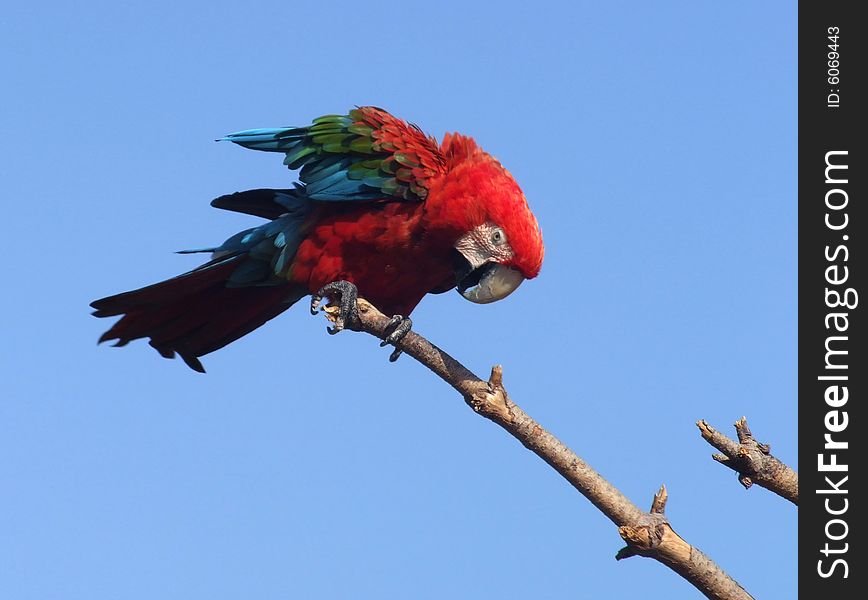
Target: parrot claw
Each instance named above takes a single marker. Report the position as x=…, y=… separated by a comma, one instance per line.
x=397, y=328
x=315, y=299
x=348, y=294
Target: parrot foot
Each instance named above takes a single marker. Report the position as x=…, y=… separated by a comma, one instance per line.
x=397, y=328
x=347, y=294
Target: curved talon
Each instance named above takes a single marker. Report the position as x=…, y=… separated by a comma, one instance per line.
x=395, y=331
x=346, y=294
x=315, y=299
x=348, y=312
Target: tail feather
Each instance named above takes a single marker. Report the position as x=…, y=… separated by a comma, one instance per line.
x=195, y=313
x=188, y=283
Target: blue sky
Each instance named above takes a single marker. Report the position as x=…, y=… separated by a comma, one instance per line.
x=656, y=143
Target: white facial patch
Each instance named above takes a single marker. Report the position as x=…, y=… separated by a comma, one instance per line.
x=485, y=243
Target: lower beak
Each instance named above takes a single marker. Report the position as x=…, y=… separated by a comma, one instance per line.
x=488, y=283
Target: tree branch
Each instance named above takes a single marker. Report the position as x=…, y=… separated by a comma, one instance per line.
x=752, y=460
x=646, y=534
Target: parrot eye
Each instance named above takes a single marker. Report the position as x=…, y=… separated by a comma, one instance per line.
x=498, y=237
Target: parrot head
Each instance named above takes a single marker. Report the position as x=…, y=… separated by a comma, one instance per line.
x=484, y=272
x=499, y=243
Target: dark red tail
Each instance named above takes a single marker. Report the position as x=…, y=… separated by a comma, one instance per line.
x=195, y=313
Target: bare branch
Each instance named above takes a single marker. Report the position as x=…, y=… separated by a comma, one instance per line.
x=752, y=460
x=654, y=537
x=646, y=534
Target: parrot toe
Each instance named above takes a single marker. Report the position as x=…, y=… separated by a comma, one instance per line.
x=346, y=295
x=395, y=331
x=315, y=299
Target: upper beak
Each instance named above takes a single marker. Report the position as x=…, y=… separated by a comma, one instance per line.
x=489, y=282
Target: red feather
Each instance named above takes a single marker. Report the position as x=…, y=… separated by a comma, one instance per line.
x=394, y=251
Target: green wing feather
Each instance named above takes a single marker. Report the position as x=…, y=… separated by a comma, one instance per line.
x=365, y=155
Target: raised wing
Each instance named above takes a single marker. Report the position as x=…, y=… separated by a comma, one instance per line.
x=365, y=155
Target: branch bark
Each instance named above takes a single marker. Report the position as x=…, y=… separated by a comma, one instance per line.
x=752, y=460
x=646, y=534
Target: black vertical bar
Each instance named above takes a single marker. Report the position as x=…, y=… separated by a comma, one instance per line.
x=832, y=364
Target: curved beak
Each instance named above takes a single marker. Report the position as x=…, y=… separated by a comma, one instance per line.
x=489, y=283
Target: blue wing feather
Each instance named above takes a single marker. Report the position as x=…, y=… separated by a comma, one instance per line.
x=326, y=175
x=345, y=158
x=270, y=246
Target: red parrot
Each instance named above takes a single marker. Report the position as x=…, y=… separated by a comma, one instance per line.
x=381, y=210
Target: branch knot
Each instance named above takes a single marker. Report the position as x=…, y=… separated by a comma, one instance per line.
x=653, y=536
x=751, y=460
x=490, y=399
